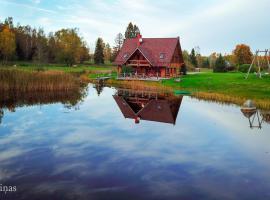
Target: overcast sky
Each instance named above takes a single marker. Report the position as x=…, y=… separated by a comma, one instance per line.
x=213, y=25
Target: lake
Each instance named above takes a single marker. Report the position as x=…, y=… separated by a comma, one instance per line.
x=123, y=144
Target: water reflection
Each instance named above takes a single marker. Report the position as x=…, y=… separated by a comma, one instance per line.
x=94, y=153
x=13, y=99
x=256, y=117
x=147, y=105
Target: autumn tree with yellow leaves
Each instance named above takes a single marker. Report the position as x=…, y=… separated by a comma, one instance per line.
x=7, y=44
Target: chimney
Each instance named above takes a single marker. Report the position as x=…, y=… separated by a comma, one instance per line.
x=139, y=39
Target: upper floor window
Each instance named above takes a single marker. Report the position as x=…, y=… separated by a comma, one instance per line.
x=125, y=55
x=161, y=55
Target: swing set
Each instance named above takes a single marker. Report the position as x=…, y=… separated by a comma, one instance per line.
x=257, y=59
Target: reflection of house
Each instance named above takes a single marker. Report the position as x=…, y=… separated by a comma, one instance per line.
x=150, y=57
x=148, y=106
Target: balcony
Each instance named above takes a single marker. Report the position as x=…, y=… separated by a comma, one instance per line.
x=138, y=63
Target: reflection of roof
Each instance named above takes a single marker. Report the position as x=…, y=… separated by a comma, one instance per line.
x=159, y=110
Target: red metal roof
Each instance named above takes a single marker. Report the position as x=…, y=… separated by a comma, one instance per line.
x=151, y=48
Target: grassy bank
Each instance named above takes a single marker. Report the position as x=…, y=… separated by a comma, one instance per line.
x=221, y=87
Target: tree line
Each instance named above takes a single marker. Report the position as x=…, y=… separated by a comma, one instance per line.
x=240, y=56
x=25, y=43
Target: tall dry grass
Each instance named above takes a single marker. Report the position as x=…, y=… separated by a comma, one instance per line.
x=227, y=99
x=24, y=81
x=139, y=85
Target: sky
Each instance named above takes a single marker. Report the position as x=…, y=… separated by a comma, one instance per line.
x=212, y=25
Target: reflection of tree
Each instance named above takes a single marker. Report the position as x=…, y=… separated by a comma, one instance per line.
x=1, y=115
x=99, y=88
x=13, y=99
x=266, y=116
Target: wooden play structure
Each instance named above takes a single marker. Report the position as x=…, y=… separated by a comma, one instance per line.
x=257, y=60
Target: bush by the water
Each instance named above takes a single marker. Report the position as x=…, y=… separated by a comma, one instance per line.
x=244, y=68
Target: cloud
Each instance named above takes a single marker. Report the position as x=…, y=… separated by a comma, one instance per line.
x=27, y=6
x=213, y=25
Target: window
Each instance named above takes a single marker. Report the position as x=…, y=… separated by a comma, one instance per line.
x=161, y=55
x=125, y=55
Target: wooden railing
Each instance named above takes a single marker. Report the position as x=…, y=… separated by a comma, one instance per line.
x=138, y=75
x=138, y=63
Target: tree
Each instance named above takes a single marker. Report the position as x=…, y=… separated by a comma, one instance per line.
x=186, y=57
x=243, y=54
x=68, y=45
x=7, y=44
x=41, y=47
x=193, y=58
x=51, y=48
x=99, y=52
x=206, y=63
x=136, y=30
x=107, y=52
x=212, y=60
x=119, y=40
x=220, y=65
x=132, y=31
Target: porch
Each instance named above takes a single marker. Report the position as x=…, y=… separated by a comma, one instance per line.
x=140, y=77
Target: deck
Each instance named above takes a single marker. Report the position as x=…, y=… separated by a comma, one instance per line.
x=139, y=77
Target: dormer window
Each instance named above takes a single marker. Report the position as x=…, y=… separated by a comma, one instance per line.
x=125, y=55
x=161, y=55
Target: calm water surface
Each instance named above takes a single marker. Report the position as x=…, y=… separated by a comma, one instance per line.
x=116, y=145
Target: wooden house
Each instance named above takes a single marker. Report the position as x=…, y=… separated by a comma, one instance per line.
x=151, y=57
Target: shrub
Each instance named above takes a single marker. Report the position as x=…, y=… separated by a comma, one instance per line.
x=127, y=69
x=220, y=65
x=244, y=68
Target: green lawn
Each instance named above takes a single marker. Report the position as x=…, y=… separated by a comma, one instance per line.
x=233, y=84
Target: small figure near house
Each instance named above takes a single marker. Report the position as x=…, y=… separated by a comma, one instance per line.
x=151, y=57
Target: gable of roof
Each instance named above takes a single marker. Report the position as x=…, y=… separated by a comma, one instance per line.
x=151, y=48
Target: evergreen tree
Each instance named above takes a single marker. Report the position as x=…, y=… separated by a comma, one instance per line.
x=99, y=52
x=220, y=65
x=206, y=63
x=193, y=58
x=136, y=30
x=132, y=31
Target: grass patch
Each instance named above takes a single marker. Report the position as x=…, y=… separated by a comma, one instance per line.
x=233, y=84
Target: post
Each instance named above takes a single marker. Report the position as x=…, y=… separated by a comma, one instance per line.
x=259, y=65
x=267, y=58
x=252, y=64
